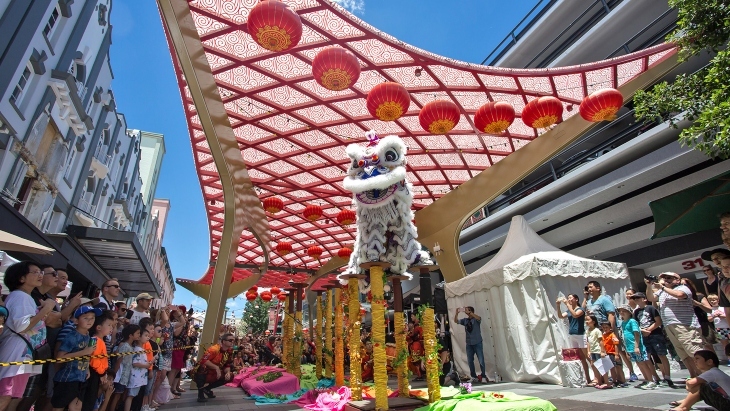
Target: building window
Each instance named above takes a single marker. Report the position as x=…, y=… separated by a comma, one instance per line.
x=52, y=20
x=19, y=89
x=70, y=164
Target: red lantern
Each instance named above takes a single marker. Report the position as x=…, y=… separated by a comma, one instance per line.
x=273, y=204
x=253, y=289
x=251, y=296
x=283, y=247
x=266, y=296
x=439, y=116
x=346, y=217
x=494, y=117
x=602, y=105
x=335, y=68
x=388, y=101
x=344, y=253
x=274, y=26
x=281, y=297
x=313, y=212
x=275, y=290
x=315, y=251
x=542, y=112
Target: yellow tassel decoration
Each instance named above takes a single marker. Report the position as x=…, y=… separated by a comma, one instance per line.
x=317, y=331
x=380, y=374
x=299, y=340
x=430, y=346
x=354, y=335
x=286, y=347
x=401, y=349
x=339, y=347
x=328, y=336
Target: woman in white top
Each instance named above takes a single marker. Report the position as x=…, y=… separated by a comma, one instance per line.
x=24, y=323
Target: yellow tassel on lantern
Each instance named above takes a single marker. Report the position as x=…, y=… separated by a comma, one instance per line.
x=380, y=371
x=354, y=313
x=339, y=348
x=400, y=349
x=328, y=336
x=317, y=331
x=430, y=345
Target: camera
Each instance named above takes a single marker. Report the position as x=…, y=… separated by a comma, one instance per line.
x=651, y=278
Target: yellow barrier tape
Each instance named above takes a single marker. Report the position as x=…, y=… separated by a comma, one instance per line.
x=63, y=360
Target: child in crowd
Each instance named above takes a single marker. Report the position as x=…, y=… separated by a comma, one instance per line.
x=609, y=344
x=717, y=316
x=103, y=326
x=596, y=351
x=70, y=379
x=634, y=343
x=123, y=366
x=140, y=367
x=712, y=386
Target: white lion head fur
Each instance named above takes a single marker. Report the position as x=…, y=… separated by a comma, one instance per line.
x=388, y=156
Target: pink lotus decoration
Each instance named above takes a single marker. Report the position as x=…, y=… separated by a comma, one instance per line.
x=331, y=401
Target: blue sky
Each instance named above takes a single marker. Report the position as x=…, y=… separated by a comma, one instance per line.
x=146, y=92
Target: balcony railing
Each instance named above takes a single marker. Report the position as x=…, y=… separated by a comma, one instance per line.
x=86, y=206
x=100, y=154
x=665, y=23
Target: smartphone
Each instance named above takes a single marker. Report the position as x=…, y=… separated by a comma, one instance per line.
x=92, y=342
x=129, y=314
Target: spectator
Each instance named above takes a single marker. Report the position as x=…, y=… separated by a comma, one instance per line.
x=141, y=310
x=596, y=350
x=635, y=346
x=650, y=324
x=123, y=367
x=103, y=326
x=712, y=386
x=677, y=312
x=576, y=328
x=179, y=344
x=140, y=365
x=415, y=348
x=723, y=281
x=711, y=281
x=725, y=228
x=610, y=341
x=702, y=307
x=167, y=330
x=717, y=316
x=472, y=325
x=109, y=293
x=214, y=369
x=69, y=381
x=26, y=326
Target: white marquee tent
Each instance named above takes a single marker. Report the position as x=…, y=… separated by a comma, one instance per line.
x=515, y=294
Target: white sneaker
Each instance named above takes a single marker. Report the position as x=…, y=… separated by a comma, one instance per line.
x=650, y=386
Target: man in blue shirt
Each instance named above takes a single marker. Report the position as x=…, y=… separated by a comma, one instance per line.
x=473, y=341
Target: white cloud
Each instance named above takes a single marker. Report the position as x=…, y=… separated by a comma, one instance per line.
x=232, y=303
x=355, y=6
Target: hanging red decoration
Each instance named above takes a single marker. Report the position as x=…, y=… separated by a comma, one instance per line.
x=281, y=297
x=266, y=296
x=273, y=204
x=274, y=26
x=275, y=290
x=346, y=217
x=344, y=253
x=494, y=117
x=335, y=68
x=251, y=296
x=312, y=212
x=315, y=251
x=283, y=247
x=602, y=105
x=388, y=101
x=439, y=116
x=542, y=112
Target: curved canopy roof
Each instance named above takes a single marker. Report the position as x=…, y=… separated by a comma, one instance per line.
x=292, y=132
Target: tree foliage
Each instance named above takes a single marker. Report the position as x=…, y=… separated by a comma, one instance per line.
x=256, y=314
x=703, y=26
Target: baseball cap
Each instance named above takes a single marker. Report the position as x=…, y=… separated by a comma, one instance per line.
x=144, y=296
x=85, y=309
x=669, y=274
x=708, y=254
x=85, y=300
x=638, y=295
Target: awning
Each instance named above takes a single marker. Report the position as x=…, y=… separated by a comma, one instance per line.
x=11, y=242
x=693, y=209
x=120, y=255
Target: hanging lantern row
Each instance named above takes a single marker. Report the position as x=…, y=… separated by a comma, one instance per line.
x=335, y=68
x=283, y=247
x=494, y=117
x=602, y=105
x=273, y=204
x=344, y=253
x=312, y=212
x=315, y=251
x=346, y=217
x=543, y=112
x=274, y=26
x=439, y=116
x=266, y=296
x=251, y=296
x=388, y=101
x=275, y=290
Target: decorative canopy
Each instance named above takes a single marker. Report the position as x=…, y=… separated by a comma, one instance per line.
x=292, y=131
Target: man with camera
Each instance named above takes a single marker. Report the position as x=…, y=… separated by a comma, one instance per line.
x=473, y=341
x=677, y=314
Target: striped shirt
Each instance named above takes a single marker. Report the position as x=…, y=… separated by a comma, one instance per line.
x=677, y=311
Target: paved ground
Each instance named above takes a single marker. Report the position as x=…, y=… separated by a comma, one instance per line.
x=565, y=399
